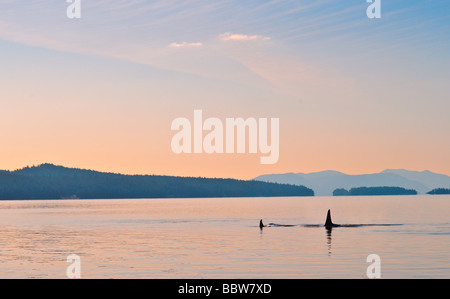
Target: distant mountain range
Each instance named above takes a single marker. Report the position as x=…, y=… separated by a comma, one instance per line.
x=48, y=181
x=325, y=182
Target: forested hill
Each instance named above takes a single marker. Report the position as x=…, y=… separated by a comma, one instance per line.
x=374, y=191
x=48, y=181
x=439, y=191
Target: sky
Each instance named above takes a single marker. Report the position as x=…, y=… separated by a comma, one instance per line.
x=352, y=94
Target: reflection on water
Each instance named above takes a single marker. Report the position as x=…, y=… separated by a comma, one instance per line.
x=221, y=238
x=329, y=230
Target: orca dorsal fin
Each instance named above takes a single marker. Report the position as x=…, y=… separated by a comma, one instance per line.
x=261, y=225
x=328, y=222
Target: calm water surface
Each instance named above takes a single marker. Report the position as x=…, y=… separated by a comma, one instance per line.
x=220, y=238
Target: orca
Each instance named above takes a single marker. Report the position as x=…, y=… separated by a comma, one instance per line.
x=328, y=223
x=261, y=224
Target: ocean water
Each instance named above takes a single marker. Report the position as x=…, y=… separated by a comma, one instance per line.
x=220, y=237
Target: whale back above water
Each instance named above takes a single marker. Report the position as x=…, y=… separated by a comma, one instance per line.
x=261, y=224
x=328, y=224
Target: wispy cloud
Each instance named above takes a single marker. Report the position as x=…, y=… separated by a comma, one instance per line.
x=242, y=37
x=279, y=41
x=185, y=45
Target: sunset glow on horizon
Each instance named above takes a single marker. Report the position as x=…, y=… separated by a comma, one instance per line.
x=352, y=94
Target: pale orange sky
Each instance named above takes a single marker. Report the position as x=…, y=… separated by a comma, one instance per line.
x=352, y=94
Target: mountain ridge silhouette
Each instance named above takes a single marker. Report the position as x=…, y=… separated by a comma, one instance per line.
x=325, y=182
x=49, y=181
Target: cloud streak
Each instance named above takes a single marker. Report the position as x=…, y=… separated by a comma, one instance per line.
x=185, y=45
x=241, y=37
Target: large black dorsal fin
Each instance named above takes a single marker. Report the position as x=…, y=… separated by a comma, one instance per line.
x=328, y=222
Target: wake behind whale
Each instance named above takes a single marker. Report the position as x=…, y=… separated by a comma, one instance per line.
x=262, y=225
x=328, y=224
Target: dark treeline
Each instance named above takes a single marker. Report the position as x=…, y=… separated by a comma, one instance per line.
x=374, y=191
x=341, y=192
x=48, y=181
x=439, y=191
